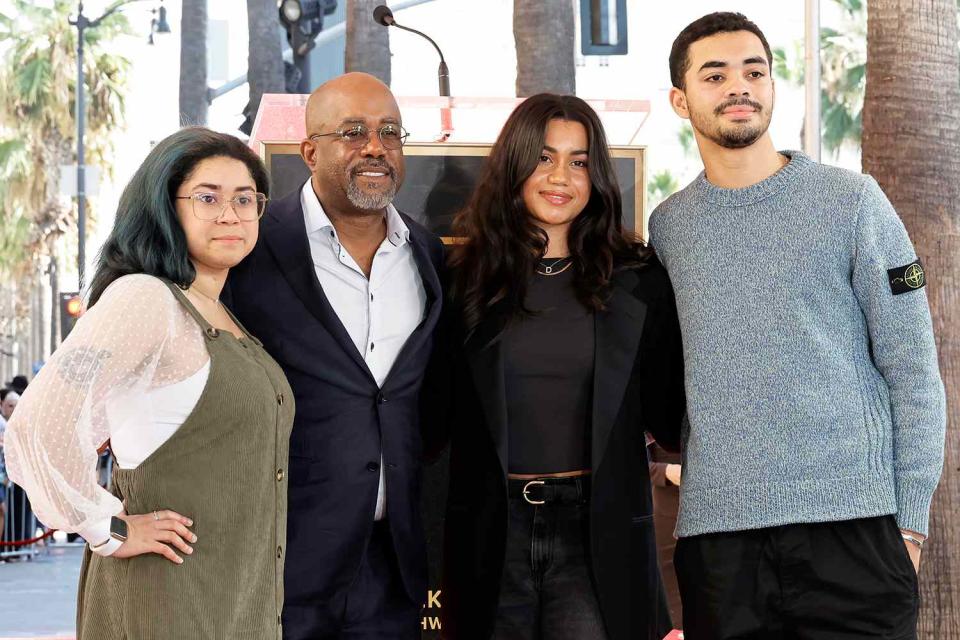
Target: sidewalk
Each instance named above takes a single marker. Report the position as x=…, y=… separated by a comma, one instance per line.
x=38, y=598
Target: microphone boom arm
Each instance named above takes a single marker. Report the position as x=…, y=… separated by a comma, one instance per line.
x=443, y=72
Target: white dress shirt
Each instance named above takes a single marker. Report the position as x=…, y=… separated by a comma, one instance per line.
x=378, y=313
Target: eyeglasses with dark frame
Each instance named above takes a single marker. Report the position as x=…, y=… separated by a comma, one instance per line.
x=392, y=136
x=210, y=206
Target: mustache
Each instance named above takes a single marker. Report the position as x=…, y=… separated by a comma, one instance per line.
x=368, y=165
x=738, y=102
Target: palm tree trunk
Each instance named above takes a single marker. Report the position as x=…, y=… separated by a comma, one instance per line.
x=264, y=58
x=543, y=31
x=911, y=145
x=368, y=43
x=193, y=63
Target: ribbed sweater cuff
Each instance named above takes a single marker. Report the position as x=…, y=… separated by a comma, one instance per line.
x=913, y=508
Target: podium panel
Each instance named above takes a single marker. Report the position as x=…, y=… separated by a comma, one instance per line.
x=440, y=177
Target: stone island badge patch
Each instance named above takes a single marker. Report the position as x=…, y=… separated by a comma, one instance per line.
x=907, y=278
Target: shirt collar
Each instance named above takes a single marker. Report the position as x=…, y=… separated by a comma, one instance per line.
x=316, y=218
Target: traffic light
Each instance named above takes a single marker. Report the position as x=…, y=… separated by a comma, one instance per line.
x=303, y=21
x=603, y=27
x=71, y=308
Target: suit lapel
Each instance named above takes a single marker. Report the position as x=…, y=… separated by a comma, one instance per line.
x=285, y=233
x=484, y=355
x=431, y=311
x=618, y=331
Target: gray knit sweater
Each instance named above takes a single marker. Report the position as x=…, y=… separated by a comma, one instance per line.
x=813, y=390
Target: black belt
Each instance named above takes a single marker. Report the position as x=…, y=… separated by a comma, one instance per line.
x=542, y=491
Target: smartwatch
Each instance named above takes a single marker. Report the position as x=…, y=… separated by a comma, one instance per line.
x=118, y=529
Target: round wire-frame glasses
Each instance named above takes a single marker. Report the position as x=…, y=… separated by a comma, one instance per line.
x=392, y=136
x=210, y=206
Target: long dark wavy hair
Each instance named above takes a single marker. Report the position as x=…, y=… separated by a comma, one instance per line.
x=502, y=245
x=146, y=235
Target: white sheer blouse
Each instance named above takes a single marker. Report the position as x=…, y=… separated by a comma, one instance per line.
x=133, y=344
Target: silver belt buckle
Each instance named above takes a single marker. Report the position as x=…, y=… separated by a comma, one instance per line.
x=526, y=492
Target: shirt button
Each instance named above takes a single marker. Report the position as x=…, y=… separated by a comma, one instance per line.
x=373, y=466
x=279, y=475
x=371, y=346
x=280, y=399
x=279, y=551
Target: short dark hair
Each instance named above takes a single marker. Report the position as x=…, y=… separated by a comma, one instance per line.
x=146, y=235
x=708, y=25
x=18, y=383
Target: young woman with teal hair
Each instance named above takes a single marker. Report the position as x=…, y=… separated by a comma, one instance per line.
x=188, y=542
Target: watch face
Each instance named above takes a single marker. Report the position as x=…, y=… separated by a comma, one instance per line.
x=118, y=528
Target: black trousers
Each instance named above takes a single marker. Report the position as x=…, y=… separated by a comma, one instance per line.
x=547, y=590
x=846, y=580
x=376, y=606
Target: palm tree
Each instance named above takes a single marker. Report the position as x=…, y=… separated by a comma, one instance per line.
x=543, y=31
x=37, y=135
x=662, y=185
x=265, y=55
x=843, y=64
x=193, y=63
x=911, y=145
x=368, y=43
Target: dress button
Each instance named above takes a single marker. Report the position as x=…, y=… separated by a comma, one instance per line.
x=373, y=466
x=280, y=399
x=213, y=332
x=279, y=551
x=279, y=475
x=381, y=399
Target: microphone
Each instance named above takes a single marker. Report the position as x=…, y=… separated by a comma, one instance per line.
x=382, y=15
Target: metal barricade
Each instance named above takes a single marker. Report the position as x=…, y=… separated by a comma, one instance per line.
x=21, y=534
x=19, y=525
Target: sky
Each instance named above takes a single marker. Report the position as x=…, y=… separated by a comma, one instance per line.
x=477, y=40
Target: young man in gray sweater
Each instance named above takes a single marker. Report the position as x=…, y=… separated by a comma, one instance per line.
x=817, y=413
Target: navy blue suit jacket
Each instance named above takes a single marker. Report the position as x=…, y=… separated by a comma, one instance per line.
x=344, y=421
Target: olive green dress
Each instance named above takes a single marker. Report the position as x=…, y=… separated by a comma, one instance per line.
x=225, y=468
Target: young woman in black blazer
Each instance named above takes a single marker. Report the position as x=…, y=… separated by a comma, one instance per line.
x=560, y=347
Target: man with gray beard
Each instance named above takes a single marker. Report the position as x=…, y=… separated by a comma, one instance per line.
x=343, y=290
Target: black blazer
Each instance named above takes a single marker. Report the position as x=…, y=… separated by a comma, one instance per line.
x=343, y=420
x=638, y=386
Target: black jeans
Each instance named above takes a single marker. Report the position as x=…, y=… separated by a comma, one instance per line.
x=546, y=592
x=848, y=580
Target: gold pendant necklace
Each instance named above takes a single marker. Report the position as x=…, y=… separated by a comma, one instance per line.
x=215, y=301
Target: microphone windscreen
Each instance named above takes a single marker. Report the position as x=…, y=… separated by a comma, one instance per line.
x=383, y=15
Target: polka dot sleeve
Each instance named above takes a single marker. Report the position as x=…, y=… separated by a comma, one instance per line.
x=135, y=338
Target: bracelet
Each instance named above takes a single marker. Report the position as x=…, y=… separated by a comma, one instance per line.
x=917, y=542
x=94, y=547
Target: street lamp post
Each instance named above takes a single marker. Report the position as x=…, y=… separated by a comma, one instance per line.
x=82, y=23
